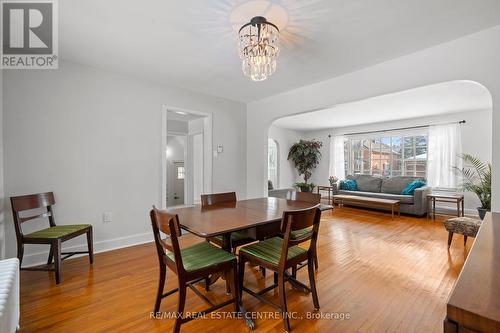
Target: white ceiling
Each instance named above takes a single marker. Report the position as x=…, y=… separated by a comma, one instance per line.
x=192, y=43
x=448, y=97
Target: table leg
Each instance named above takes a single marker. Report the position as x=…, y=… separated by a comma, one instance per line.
x=458, y=208
x=434, y=209
x=399, y=210
x=392, y=211
x=427, y=202
x=463, y=209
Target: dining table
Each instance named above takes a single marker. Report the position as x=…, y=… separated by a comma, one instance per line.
x=259, y=218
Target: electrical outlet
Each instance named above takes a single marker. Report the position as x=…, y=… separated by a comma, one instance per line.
x=107, y=217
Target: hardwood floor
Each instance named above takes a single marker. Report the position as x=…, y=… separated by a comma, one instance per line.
x=387, y=275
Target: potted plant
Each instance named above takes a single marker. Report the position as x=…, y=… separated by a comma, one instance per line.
x=333, y=183
x=477, y=179
x=306, y=155
x=305, y=187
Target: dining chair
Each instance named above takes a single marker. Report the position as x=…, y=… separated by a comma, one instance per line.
x=191, y=264
x=237, y=238
x=279, y=254
x=54, y=235
x=313, y=198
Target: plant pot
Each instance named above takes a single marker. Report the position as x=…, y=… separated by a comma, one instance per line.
x=482, y=212
x=305, y=189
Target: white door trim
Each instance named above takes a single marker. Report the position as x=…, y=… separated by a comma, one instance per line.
x=207, y=154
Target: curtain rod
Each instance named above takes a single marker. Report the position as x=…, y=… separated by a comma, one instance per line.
x=401, y=128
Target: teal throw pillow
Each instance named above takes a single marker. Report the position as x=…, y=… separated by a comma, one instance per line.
x=350, y=185
x=410, y=188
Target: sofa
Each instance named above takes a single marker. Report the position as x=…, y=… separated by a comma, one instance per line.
x=391, y=188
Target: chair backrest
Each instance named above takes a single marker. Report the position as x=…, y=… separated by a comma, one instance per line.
x=29, y=202
x=162, y=221
x=298, y=220
x=217, y=198
x=314, y=198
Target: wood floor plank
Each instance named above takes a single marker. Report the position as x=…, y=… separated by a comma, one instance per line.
x=388, y=275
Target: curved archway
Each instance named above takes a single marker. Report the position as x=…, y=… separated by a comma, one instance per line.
x=439, y=103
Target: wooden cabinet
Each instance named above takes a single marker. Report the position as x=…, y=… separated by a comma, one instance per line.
x=474, y=304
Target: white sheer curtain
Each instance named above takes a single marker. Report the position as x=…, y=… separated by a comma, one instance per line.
x=337, y=166
x=444, y=150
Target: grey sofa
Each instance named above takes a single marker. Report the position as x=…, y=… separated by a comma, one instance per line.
x=279, y=193
x=391, y=188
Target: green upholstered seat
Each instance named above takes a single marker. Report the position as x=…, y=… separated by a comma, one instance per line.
x=235, y=236
x=58, y=231
x=270, y=250
x=202, y=255
x=299, y=233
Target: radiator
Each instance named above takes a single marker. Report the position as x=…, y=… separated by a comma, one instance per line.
x=9, y=295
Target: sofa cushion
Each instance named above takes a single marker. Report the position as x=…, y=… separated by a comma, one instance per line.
x=367, y=183
x=397, y=184
x=404, y=199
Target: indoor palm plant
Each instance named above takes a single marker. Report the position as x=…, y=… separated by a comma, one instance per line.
x=306, y=156
x=476, y=178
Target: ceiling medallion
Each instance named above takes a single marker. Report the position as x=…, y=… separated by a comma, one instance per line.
x=259, y=48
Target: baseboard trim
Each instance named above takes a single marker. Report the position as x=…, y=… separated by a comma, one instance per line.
x=40, y=258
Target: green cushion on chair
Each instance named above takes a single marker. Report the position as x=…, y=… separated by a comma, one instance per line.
x=270, y=250
x=235, y=236
x=202, y=255
x=299, y=233
x=58, y=231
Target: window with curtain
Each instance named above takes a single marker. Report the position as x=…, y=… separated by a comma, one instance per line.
x=445, y=147
x=387, y=155
x=272, y=161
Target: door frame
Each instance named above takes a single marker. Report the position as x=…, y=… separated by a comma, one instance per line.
x=207, y=155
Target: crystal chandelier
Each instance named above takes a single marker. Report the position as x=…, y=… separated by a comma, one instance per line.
x=259, y=48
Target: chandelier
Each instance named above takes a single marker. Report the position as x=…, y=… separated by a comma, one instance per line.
x=259, y=48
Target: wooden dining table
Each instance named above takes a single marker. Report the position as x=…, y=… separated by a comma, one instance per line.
x=261, y=215
x=259, y=218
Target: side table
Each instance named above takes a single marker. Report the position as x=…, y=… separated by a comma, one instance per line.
x=455, y=198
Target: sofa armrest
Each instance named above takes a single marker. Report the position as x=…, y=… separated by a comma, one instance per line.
x=420, y=199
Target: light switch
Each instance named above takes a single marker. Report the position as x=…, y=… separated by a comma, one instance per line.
x=220, y=148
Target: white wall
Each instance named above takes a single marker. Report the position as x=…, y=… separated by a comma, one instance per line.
x=476, y=139
x=177, y=126
x=287, y=174
x=94, y=138
x=474, y=57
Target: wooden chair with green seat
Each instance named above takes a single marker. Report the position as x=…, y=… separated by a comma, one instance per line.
x=191, y=264
x=53, y=236
x=313, y=198
x=237, y=238
x=279, y=254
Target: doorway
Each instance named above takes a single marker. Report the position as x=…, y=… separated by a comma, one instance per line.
x=187, y=159
x=176, y=171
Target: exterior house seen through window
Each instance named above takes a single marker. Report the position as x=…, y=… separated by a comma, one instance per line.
x=387, y=156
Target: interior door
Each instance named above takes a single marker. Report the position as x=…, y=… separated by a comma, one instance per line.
x=179, y=178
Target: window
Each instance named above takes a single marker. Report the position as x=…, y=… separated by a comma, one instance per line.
x=272, y=162
x=387, y=156
x=181, y=173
